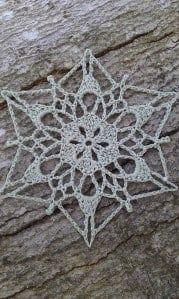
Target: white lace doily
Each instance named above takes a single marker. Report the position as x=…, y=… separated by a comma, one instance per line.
x=88, y=146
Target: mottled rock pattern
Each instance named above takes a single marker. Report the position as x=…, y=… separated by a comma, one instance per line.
x=136, y=255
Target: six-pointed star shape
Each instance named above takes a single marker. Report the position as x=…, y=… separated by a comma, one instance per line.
x=87, y=150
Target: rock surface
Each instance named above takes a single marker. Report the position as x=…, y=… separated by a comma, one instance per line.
x=136, y=255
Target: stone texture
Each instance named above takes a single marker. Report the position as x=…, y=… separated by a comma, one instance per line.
x=136, y=255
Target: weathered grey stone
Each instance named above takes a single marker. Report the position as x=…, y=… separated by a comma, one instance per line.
x=136, y=255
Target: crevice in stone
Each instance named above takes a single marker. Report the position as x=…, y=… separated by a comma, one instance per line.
x=42, y=80
x=18, y=217
x=101, y=259
x=161, y=37
x=100, y=54
x=30, y=224
x=170, y=133
x=123, y=44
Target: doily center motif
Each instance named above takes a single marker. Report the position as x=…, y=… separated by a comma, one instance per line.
x=86, y=147
x=89, y=143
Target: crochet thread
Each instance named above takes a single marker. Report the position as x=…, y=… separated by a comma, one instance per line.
x=87, y=151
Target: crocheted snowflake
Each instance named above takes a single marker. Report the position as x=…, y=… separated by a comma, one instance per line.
x=87, y=145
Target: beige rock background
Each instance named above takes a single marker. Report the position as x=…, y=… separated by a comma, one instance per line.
x=136, y=255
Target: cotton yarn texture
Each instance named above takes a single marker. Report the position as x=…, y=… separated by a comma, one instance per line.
x=87, y=146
